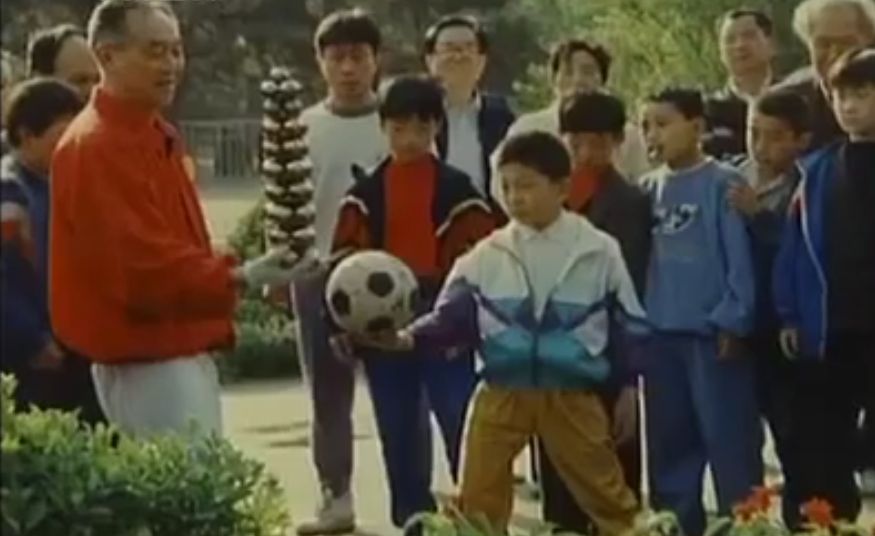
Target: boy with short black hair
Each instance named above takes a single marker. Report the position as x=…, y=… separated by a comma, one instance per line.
x=699, y=387
x=426, y=213
x=823, y=285
x=778, y=133
x=534, y=299
x=36, y=115
x=593, y=126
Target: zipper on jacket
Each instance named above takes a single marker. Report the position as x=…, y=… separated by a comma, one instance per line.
x=535, y=362
x=806, y=236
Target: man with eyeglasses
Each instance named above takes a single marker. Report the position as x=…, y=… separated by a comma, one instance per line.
x=455, y=54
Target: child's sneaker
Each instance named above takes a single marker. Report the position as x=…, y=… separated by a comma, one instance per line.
x=335, y=516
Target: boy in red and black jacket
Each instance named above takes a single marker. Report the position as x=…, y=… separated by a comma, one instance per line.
x=426, y=213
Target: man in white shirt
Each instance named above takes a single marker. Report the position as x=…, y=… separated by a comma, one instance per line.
x=343, y=132
x=579, y=65
x=476, y=122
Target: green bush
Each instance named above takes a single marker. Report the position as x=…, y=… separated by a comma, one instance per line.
x=265, y=347
x=63, y=477
x=265, y=333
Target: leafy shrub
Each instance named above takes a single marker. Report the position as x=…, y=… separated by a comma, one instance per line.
x=247, y=238
x=63, y=477
x=265, y=333
x=265, y=344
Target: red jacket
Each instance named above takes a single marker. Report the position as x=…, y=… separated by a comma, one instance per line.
x=131, y=273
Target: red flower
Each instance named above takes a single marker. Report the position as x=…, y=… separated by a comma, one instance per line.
x=761, y=498
x=819, y=513
x=744, y=511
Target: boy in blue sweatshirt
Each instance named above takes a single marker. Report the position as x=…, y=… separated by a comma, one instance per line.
x=536, y=300
x=36, y=115
x=778, y=133
x=699, y=385
x=824, y=283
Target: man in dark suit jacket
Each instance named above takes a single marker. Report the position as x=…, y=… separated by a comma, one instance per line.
x=746, y=50
x=455, y=53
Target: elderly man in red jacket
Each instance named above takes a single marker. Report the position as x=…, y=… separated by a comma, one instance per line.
x=134, y=284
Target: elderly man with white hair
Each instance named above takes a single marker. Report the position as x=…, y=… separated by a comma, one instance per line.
x=829, y=28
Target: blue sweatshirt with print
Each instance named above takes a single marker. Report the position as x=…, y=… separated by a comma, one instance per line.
x=701, y=278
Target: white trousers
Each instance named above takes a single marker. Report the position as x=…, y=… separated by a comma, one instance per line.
x=175, y=396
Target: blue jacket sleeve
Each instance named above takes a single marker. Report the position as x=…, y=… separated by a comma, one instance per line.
x=452, y=323
x=783, y=280
x=735, y=311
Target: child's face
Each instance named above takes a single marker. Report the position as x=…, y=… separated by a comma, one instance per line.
x=411, y=137
x=532, y=198
x=37, y=150
x=671, y=137
x=773, y=144
x=594, y=150
x=855, y=110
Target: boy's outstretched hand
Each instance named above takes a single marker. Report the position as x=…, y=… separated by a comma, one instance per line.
x=626, y=416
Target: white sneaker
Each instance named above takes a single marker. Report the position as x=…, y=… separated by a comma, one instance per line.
x=867, y=482
x=335, y=516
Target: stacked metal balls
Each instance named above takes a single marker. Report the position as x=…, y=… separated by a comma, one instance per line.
x=285, y=166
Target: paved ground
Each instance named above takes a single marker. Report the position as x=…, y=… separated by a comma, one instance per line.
x=270, y=422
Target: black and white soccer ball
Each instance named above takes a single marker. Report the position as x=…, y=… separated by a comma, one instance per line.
x=371, y=292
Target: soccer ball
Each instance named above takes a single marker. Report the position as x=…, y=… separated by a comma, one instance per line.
x=371, y=292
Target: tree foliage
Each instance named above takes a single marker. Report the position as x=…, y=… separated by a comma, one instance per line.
x=231, y=43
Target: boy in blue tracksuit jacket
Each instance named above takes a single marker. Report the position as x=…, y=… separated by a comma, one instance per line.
x=699, y=385
x=538, y=300
x=824, y=284
x=48, y=376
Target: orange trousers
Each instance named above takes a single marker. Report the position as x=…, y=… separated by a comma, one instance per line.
x=575, y=432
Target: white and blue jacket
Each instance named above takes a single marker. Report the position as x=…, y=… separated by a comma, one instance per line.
x=487, y=302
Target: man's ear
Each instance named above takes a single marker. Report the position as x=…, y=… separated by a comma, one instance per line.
x=103, y=53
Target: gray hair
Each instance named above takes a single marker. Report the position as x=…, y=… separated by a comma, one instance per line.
x=108, y=21
x=806, y=11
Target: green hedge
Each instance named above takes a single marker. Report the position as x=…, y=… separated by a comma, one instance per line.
x=266, y=346
x=61, y=477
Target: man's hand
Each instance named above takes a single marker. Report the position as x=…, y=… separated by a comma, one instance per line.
x=728, y=345
x=51, y=357
x=743, y=198
x=626, y=416
x=789, y=340
x=279, y=266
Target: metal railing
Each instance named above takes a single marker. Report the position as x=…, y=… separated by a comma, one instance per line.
x=224, y=150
